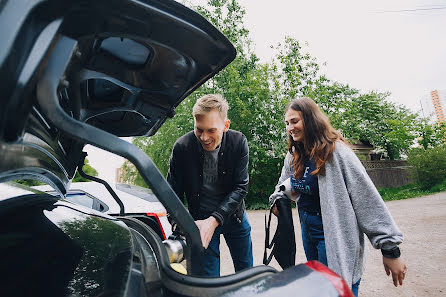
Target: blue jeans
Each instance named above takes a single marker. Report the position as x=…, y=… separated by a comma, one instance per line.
x=355, y=288
x=313, y=236
x=238, y=238
x=313, y=240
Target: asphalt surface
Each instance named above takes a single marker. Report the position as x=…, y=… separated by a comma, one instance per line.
x=423, y=223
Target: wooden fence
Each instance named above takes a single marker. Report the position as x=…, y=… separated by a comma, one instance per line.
x=388, y=173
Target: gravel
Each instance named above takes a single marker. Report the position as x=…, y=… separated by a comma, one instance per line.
x=423, y=223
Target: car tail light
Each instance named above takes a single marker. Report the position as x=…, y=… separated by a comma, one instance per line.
x=337, y=281
x=157, y=216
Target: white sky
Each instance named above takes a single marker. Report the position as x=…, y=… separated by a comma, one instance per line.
x=364, y=44
x=104, y=162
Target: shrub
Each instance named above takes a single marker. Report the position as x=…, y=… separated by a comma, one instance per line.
x=429, y=166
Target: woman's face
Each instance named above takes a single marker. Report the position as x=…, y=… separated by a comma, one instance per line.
x=295, y=125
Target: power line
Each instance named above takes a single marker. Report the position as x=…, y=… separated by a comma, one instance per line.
x=415, y=9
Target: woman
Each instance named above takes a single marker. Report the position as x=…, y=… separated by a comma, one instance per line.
x=338, y=202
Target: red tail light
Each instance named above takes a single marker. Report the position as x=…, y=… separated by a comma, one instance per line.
x=336, y=280
x=157, y=215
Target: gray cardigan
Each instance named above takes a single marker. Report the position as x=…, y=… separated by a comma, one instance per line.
x=351, y=207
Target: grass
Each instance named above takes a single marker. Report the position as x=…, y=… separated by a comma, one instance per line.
x=409, y=191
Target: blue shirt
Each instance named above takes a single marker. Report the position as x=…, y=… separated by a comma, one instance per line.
x=308, y=188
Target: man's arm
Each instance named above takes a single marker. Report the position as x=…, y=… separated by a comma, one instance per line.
x=240, y=185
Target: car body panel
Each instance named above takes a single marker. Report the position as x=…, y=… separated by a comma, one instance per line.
x=298, y=280
x=137, y=200
x=55, y=249
x=133, y=204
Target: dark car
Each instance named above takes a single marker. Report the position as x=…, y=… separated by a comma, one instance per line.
x=83, y=72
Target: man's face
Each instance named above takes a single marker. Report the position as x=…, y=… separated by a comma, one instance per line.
x=209, y=128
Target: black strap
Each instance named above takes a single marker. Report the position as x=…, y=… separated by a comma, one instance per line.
x=283, y=244
x=267, y=259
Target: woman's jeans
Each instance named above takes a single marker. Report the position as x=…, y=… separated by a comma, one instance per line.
x=313, y=240
x=238, y=239
x=313, y=236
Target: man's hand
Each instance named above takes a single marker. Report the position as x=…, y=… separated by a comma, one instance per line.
x=275, y=210
x=398, y=269
x=207, y=228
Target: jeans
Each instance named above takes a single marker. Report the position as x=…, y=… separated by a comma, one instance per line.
x=238, y=238
x=313, y=236
x=355, y=288
x=314, y=242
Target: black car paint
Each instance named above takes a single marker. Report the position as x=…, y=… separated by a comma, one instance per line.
x=58, y=248
x=54, y=249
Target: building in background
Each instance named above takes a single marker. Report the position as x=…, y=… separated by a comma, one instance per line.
x=434, y=106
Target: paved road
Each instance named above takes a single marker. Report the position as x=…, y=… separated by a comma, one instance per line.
x=423, y=222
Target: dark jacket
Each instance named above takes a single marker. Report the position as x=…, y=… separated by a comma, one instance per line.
x=186, y=174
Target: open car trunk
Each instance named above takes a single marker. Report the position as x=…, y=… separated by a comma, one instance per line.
x=87, y=72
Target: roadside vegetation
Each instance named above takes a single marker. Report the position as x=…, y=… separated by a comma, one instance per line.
x=428, y=172
x=410, y=191
x=388, y=194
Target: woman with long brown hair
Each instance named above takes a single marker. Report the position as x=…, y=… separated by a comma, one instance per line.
x=337, y=201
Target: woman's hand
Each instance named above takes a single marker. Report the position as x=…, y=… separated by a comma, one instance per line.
x=397, y=267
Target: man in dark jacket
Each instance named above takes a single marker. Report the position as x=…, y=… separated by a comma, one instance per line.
x=209, y=167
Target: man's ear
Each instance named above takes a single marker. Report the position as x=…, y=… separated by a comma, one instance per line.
x=227, y=124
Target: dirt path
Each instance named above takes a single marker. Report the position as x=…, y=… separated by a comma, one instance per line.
x=423, y=223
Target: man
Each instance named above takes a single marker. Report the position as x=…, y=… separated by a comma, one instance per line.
x=210, y=167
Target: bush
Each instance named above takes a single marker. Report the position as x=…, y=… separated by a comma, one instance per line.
x=429, y=166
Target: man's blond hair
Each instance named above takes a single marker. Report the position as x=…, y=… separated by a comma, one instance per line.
x=210, y=102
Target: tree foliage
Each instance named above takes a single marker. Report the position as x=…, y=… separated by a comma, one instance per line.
x=88, y=170
x=431, y=135
x=258, y=93
x=429, y=166
x=370, y=118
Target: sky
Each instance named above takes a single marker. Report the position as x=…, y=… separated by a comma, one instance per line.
x=396, y=46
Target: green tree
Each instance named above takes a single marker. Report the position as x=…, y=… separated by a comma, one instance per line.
x=258, y=93
x=429, y=166
x=297, y=70
x=431, y=134
x=369, y=117
x=255, y=108
x=88, y=170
